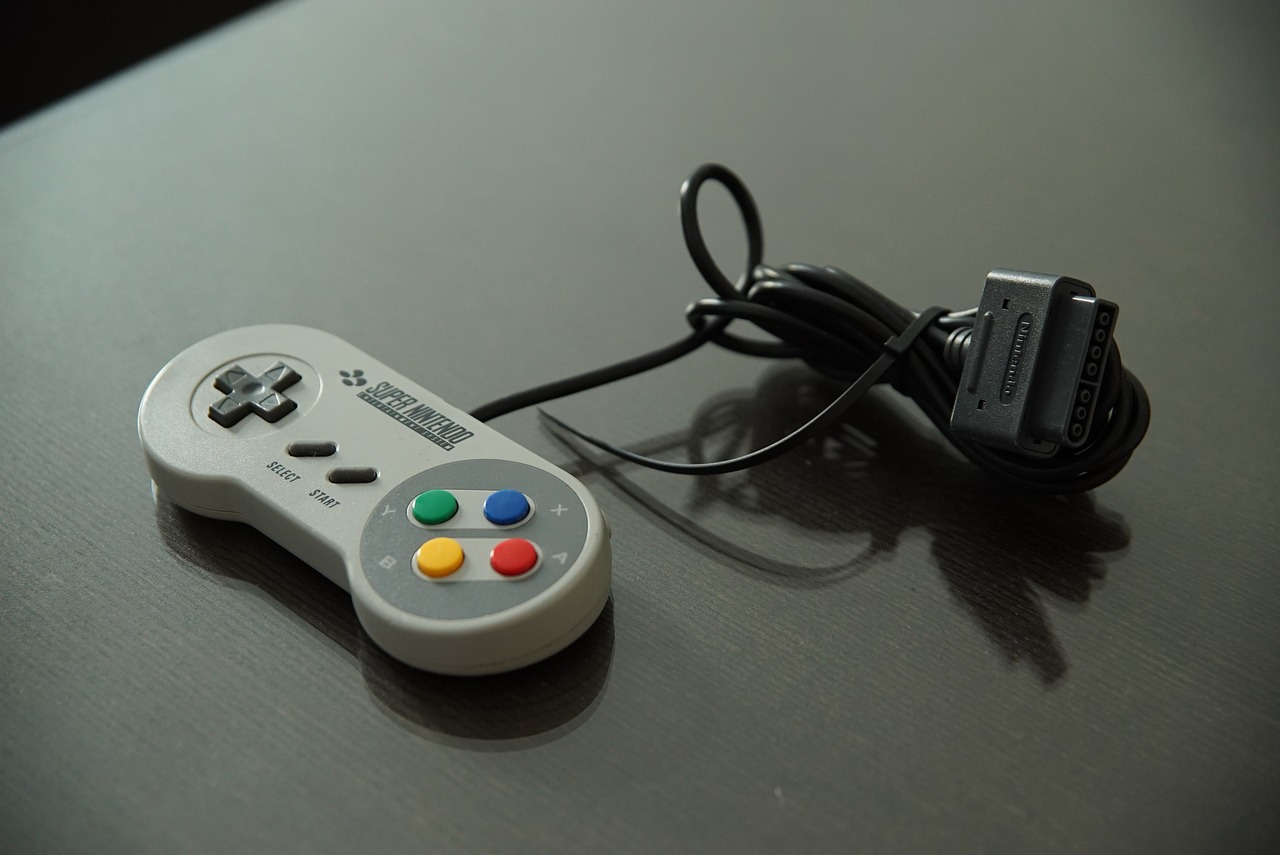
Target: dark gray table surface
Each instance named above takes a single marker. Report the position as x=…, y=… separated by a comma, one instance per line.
x=871, y=648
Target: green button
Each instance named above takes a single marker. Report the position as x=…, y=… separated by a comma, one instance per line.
x=434, y=507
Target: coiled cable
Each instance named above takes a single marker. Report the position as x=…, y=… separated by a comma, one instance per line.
x=847, y=330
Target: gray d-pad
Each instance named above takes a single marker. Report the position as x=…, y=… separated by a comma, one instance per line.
x=253, y=393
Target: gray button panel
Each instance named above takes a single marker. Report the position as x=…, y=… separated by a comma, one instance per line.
x=558, y=528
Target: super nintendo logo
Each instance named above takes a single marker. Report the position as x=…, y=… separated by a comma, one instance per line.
x=1017, y=350
x=420, y=418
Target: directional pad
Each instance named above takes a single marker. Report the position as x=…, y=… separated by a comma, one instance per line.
x=253, y=393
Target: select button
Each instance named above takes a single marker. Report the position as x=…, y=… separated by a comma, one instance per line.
x=305, y=448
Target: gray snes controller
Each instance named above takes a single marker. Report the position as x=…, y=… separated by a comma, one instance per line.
x=463, y=552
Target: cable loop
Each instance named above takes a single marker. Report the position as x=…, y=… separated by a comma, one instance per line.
x=692, y=228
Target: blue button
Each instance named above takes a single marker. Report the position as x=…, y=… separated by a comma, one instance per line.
x=506, y=507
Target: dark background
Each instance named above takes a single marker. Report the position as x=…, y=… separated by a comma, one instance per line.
x=52, y=49
x=863, y=646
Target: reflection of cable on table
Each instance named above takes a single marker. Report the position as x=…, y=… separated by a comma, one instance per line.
x=1003, y=556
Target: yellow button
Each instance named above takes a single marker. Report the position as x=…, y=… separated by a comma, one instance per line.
x=439, y=557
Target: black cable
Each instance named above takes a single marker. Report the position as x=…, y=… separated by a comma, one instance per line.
x=845, y=329
x=823, y=420
x=595, y=377
x=702, y=332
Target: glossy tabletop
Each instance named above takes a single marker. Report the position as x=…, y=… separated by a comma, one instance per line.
x=865, y=645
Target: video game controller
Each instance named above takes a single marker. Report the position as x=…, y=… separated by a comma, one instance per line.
x=463, y=552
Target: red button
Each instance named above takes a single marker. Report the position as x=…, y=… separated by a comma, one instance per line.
x=513, y=557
